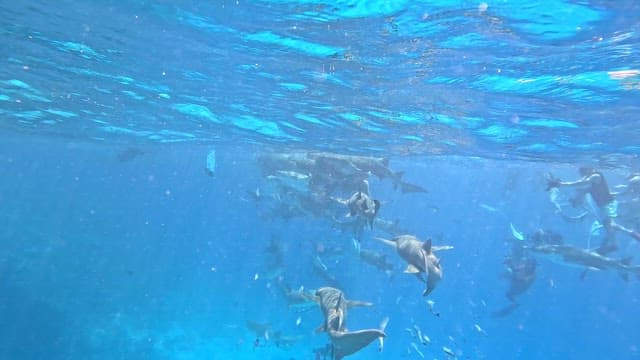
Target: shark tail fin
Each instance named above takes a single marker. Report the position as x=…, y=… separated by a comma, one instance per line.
x=347, y=343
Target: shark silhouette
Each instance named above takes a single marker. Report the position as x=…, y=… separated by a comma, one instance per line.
x=334, y=307
x=587, y=259
x=420, y=258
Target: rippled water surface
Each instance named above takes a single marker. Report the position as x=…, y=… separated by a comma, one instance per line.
x=517, y=78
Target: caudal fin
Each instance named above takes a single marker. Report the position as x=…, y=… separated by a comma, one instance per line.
x=347, y=343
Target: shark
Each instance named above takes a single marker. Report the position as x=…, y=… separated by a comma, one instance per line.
x=376, y=259
x=334, y=307
x=377, y=166
x=420, y=258
x=265, y=331
x=584, y=258
x=361, y=205
x=292, y=161
x=390, y=227
x=296, y=299
x=348, y=224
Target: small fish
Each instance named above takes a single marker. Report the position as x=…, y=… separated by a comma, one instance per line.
x=430, y=305
x=448, y=351
x=415, y=348
x=421, y=337
x=516, y=234
x=356, y=244
x=298, y=321
x=480, y=330
x=320, y=264
x=256, y=276
x=488, y=207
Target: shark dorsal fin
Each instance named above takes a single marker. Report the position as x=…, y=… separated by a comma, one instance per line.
x=426, y=246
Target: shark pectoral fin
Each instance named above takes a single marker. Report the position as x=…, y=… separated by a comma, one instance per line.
x=352, y=303
x=411, y=269
x=347, y=343
x=441, y=247
x=385, y=241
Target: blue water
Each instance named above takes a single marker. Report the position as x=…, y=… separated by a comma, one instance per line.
x=118, y=244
